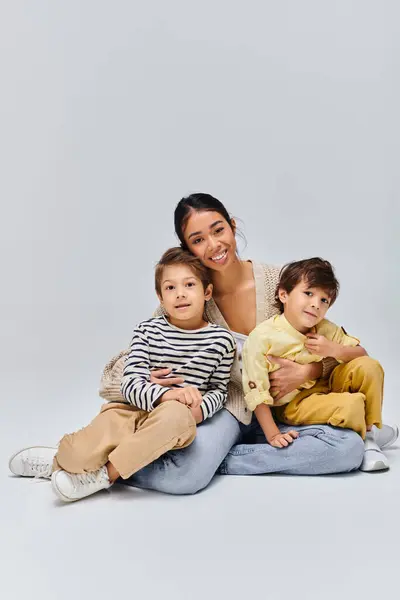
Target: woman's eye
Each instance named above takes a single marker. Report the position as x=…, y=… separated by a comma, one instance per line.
x=197, y=241
x=219, y=230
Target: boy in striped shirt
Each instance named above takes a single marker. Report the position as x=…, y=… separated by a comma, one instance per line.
x=151, y=419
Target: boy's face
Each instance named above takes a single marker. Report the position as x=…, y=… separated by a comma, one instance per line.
x=304, y=306
x=182, y=294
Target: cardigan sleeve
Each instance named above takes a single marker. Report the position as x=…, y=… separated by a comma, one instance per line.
x=110, y=384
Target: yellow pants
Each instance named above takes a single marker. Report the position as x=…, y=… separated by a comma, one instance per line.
x=127, y=437
x=352, y=398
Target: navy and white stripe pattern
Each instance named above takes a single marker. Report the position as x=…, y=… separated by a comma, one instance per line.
x=202, y=357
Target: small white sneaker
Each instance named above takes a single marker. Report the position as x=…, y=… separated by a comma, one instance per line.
x=386, y=436
x=70, y=487
x=374, y=459
x=35, y=461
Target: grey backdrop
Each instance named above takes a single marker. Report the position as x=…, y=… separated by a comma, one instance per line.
x=111, y=111
x=286, y=111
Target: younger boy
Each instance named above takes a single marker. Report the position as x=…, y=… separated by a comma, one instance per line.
x=352, y=398
x=150, y=419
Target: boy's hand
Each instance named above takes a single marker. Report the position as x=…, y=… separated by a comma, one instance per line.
x=319, y=344
x=281, y=440
x=197, y=414
x=188, y=395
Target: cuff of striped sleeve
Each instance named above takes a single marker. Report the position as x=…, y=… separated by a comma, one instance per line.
x=159, y=391
x=207, y=413
x=255, y=397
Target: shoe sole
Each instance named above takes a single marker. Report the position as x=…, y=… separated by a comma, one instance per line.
x=392, y=439
x=58, y=491
x=23, y=450
x=379, y=465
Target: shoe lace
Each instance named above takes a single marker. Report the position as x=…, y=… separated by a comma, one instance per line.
x=90, y=478
x=38, y=465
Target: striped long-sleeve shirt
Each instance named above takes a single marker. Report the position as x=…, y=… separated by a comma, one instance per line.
x=203, y=358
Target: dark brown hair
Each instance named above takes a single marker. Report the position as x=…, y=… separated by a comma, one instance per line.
x=316, y=272
x=178, y=256
x=196, y=203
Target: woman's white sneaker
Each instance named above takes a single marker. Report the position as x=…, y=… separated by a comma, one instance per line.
x=374, y=459
x=386, y=436
x=35, y=461
x=70, y=487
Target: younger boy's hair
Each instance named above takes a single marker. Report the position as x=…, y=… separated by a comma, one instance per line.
x=315, y=271
x=178, y=256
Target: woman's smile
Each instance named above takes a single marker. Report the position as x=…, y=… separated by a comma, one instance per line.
x=220, y=257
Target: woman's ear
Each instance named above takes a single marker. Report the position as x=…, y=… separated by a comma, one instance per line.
x=233, y=225
x=208, y=292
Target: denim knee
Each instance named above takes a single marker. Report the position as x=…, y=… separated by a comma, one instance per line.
x=163, y=476
x=183, y=479
x=350, y=452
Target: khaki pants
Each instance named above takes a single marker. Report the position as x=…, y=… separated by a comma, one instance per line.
x=127, y=437
x=352, y=398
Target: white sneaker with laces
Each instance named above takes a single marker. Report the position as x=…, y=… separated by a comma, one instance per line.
x=70, y=487
x=35, y=461
x=386, y=436
x=374, y=459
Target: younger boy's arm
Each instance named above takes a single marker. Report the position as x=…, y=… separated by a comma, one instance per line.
x=270, y=428
x=217, y=392
x=346, y=353
x=342, y=347
x=256, y=385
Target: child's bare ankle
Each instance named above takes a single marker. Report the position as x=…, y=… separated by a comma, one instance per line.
x=112, y=472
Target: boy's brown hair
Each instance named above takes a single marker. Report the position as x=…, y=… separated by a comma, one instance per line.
x=178, y=256
x=315, y=271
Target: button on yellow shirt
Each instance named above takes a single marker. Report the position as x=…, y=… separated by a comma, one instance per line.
x=278, y=337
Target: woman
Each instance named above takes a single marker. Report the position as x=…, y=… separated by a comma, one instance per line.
x=244, y=295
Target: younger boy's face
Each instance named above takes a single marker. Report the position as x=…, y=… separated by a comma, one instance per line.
x=182, y=294
x=304, y=306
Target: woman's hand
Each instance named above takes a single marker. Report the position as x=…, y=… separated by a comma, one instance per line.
x=160, y=376
x=290, y=376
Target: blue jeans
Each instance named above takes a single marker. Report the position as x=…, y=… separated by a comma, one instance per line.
x=319, y=450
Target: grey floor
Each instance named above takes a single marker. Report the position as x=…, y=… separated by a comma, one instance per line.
x=274, y=536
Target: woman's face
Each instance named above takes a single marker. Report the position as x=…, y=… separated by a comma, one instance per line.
x=210, y=237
